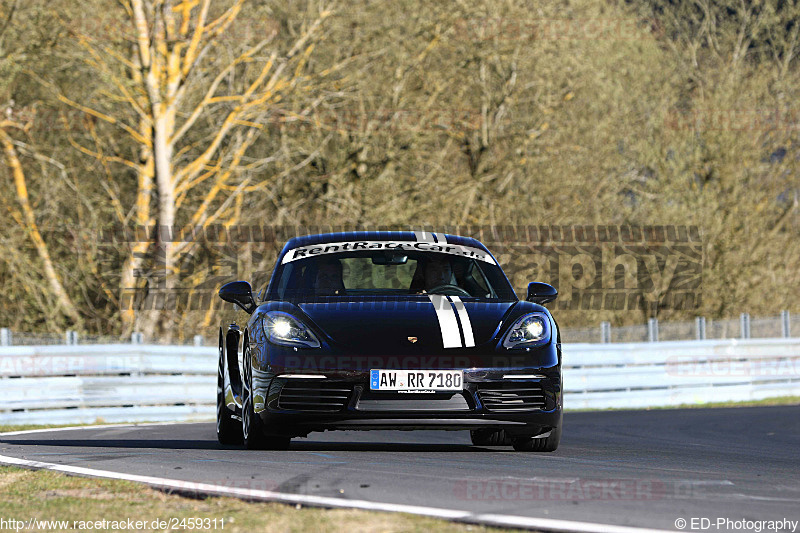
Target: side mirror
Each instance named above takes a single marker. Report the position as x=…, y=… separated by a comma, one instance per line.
x=240, y=293
x=541, y=293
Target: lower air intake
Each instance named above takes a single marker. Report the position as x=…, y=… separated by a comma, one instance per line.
x=507, y=397
x=412, y=402
x=314, y=396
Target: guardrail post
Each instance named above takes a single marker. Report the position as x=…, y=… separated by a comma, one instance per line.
x=701, y=327
x=652, y=329
x=72, y=337
x=785, y=328
x=744, y=323
x=605, y=332
x=5, y=337
x=198, y=340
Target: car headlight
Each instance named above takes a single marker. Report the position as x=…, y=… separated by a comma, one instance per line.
x=530, y=330
x=286, y=330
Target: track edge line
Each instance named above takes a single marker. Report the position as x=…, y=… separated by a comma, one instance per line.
x=191, y=487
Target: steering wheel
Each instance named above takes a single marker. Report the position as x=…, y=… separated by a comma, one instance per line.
x=449, y=287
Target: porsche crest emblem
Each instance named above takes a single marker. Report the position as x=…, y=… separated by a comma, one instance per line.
x=412, y=340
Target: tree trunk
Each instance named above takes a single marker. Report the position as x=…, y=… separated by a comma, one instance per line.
x=32, y=228
x=162, y=155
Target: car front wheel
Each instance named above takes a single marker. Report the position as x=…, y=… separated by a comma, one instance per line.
x=253, y=432
x=490, y=437
x=540, y=444
x=229, y=430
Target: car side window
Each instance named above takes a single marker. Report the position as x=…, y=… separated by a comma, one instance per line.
x=476, y=276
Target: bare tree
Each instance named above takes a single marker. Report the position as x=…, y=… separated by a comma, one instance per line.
x=181, y=77
x=27, y=218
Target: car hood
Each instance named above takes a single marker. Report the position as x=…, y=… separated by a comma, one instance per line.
x=408, y=326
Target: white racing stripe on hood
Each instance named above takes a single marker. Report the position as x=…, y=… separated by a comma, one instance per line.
x=423, y=236
x=451, y=337
x=466, y=325
x=427, y=236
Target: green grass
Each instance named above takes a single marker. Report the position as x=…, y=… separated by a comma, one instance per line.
x=22, y=427
x=44, y=495
x=783, y=400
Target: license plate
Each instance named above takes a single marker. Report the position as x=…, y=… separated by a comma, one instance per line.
x=416, y=380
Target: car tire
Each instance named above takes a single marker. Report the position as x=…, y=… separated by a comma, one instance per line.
x=229, y=430
x=253, y=431
x=490, y=437
x=541, y=444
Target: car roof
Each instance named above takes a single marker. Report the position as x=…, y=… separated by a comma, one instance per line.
x=348, y=236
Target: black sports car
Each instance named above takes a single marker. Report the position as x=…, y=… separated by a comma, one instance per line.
x=389, y=330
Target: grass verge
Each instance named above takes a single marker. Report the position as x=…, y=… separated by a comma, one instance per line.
x=23, y=427
x=783, y=400
x=48, y=496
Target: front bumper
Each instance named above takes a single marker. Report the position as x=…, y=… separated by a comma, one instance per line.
x=491, y=398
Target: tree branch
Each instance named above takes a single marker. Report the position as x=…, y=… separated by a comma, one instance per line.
x=33, y=229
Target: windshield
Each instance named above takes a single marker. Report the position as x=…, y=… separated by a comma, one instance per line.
x=389, y=273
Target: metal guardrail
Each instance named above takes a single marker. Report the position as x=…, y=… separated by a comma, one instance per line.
x=23, y=338
x=66, y=384
x=784, y=326
x=641, y=375
x=70, y=384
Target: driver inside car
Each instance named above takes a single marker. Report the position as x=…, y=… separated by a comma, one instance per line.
x=437, y=272
x=329, y=278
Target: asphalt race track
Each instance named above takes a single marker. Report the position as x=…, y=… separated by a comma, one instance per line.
x=633, y=468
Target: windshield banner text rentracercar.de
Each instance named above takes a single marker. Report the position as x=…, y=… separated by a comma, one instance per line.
x=304, y=252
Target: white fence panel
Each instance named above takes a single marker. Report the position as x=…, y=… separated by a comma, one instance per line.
x=650, y=398
x=641, y=375
x=63, y=384
x=78, y=391
x=128, y=383
x=159, y=413
x=105, y=359
x=642, y=353
x=718, y=371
